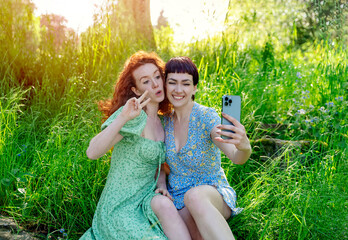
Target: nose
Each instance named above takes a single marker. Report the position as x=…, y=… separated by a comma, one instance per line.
x=178, y=88
x=154, y=83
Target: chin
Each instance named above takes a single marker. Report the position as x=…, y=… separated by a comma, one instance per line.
x=176, y=104
x=160, y=99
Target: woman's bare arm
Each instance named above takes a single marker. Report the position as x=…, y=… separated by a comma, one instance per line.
x=237, y=148
x=106, y=139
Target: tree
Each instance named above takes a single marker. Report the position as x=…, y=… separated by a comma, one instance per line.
x=137, y=14
x=162, y=21
x=54, y=32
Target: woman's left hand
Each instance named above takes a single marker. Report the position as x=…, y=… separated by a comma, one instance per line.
x=238, y=137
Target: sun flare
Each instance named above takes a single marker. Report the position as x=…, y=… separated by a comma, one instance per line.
x=78, y=13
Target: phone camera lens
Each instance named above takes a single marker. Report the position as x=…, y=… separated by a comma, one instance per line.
x=226, y=98
x=230, y=101
x=226, y=103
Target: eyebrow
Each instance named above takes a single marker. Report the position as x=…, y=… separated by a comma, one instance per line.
x=148, y=76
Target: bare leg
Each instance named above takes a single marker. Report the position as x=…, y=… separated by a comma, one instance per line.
x=190, y=223
x=173, y=225
x=209, y=211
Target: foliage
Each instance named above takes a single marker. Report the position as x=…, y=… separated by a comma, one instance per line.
x=18, y=39
x=293, y=21
x=322, y=20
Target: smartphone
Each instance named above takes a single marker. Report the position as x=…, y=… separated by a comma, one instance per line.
x=230, y=105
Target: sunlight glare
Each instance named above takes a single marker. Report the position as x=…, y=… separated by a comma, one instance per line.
x=78, y=13
x=191, y=18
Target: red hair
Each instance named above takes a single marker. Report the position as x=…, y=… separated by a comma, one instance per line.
x=126, y=81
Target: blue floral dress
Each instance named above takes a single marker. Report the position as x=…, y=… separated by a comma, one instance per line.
x=124, y=208
x=199, y=161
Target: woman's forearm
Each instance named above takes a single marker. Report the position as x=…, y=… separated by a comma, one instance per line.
x=106, y=139
x=240, y=157
x=161, y=183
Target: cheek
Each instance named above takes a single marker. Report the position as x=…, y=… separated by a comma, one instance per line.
x=138, y=86
x=168, y=89
x=142, y=88
x=161, y=84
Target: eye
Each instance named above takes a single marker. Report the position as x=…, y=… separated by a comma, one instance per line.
x=158, y=77
x=146, y=82
x=187, y=84
x=171, y=83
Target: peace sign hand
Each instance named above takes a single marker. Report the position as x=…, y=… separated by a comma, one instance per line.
x=134, y=105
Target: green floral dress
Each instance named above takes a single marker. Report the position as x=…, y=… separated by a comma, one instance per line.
x=124, y=209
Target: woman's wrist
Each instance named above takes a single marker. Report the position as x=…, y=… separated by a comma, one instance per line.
x=162, y=186
x=123, y=117
x=247, y=149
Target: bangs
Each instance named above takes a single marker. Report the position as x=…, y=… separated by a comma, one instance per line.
x=182, y=65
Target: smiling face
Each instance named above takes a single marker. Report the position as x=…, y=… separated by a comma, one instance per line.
x=148, y=77
x=180, y=89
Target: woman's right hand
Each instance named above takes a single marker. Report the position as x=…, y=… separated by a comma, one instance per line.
x=133, y=106
x=164, y=192
x=107, y=138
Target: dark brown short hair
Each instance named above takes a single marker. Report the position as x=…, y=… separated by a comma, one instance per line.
x=182, y=65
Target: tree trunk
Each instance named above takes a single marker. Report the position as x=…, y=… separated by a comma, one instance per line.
x=138, y=12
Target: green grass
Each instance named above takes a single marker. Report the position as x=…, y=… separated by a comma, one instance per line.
x=293, y=190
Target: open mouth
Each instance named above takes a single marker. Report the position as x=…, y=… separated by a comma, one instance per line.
x=159, y=93
x=178, y=97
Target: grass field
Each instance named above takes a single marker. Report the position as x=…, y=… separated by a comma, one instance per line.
x=294, y=108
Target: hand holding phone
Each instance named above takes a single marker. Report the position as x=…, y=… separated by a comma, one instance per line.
x=231, y=105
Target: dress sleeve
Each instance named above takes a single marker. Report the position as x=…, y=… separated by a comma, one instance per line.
x=134, y=126
x=212, y=119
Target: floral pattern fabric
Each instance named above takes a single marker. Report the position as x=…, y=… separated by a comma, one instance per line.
x=199, y=161
x=124, y=208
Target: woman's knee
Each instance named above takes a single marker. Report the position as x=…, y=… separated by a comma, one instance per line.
x=161, y=204
x=199, y=199
x=194, y=199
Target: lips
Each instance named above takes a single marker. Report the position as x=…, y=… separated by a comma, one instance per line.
x=159, y=93
x=178, y=97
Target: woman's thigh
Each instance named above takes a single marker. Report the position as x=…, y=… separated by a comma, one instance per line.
x=201, y=197
x=190, y=223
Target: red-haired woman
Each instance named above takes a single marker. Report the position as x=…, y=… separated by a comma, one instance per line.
x=128, y=207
